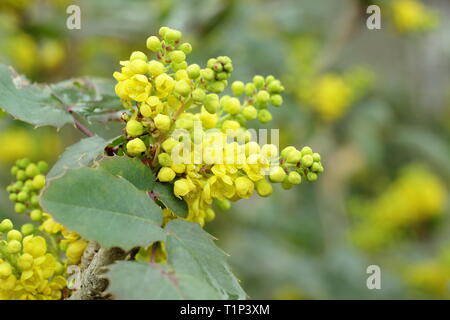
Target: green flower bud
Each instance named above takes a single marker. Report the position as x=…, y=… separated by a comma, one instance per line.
x=19, y=207
x=42, y=166
x=13, y=247
x=277, y=174
x=286, y=185
x=6, y=225
x=22, y=196
x=13, y=197
x=269, y=79
x=258, y=81
x=134, y=128
x=135, y=146
x=169, y=144
x=275, y=87
x=276, y=100
x=193, y=71
x=211, y=62
x=177, y=56
x=27, y=229
x=262, y=97
x=36, y=215
x=14, y=235
x=217, y=67
x=311, y=176
x=166, y=174
x=23, y=163
x=232, y=105
x=316, y=157
x=294, y=156
x=183, y=123
x=306, y=150
x=21, y=175
x=139, y=66
x=162, y=122
x=207, y=74
x=264, y=116
x=14, y=170
x=250, y=89
x=25, y=261
x=286, y=151
x=138, y=55
x=317, y=167
x=238, y=88
x=39, y=182
x=153, y=44
x=155, y=68
x=172, y=35
x=182, y=88
x=223, y=204
x=162, y=31
x=198, y=95
x=307, y=161
x=250, y=112
x=228, y=67
x=185, y=47
x=216, y=86
x=34, y=200
x=263, y=188
x=211, y=102
x=224, y=59
x=164, y=159
x=209, y=215
x=294, y=177
x=222, y=76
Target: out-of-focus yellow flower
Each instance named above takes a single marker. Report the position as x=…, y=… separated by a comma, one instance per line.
x=412, y=16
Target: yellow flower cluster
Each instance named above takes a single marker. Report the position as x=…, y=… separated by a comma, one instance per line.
x=197, y=140
x=27, y=270
x=415, y=197
x=412, y=16
x=330, y=95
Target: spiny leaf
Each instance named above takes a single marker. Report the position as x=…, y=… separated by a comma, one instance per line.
x=164, y=193
x=79, y=155
x=103, y=207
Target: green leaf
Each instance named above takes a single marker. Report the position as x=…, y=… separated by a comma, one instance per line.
x=191, y=251
x=164, y=193
x=131, y=169
x=142, y=281
x=31, y=103
x=103, y=207
x=79, y=155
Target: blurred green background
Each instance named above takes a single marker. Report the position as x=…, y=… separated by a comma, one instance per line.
x=374, y=103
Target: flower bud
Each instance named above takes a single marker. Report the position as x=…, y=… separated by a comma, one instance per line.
x=269, y=151
x=182, y=88
x=181, y=188
x=211, y=102
x=134, y=128
x=172, y=35
x=153, y=44
x=263, y=188
x=139, y=66
x=27, y=229
x=209, y=215
x=232, y=105
x=262, y=97
x=32, y=170
x=244, y=187
x=185, y=47
x=155, y=68
x=22, y=196
x=307, y=160
x=39, y=182
x=75, y=250
x=286, y=185
x=316, y=157
x=162, y=122
x=6, y=225
x=5, y=269
x=14, y=170
x=207, y=74
x=21, y=175
x=277, y=174
x=286, y=151
x=20, y=208
x=13, y=246
x=238, y=88
x=14, y=235
x=146, y=110
x=162, y=31
x=294, y=156
x=42, y=166
x=138, y=55
x=23, y=163
x=25, y=261
x=275, y=87
x=216, y=86
x=306, y=151
x=136, y=146
x=198, y=95
x=311, y=176
x=317, y=167
x=223, y=204
x=169, y=144
x=264, y=116
x=193, y=71
x=36, y=215
x=177, y=56
x=250, y=112
x=258, y=81
x=164, y=159
x=178, y=167
x=250, y=89
x=294, y=177
x=276, y=100
x=166, y=174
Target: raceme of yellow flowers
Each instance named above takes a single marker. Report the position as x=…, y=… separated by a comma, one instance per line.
x=197, y=140
x=415, y=197
x=33, y=266
x=412, y=16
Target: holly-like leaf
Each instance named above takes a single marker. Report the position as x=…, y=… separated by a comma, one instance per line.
x=79, y=155
x=31, y=103
x=103, y=207
x=192, y=252
x=131, y=169
x=142, y=281
x=164, y=193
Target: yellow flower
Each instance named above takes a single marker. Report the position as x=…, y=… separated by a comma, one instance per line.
x=34, y=245
x=244, y=187
x=164, y=85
